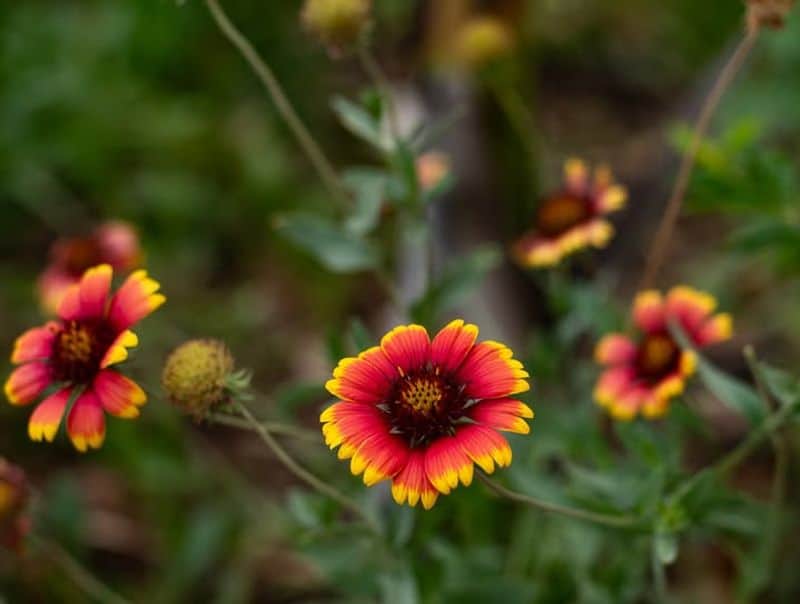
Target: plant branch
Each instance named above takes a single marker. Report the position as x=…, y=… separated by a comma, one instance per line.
x=79, y=575
x=666, y=227
x=315, y=154
x=617, y=521
x=300, y=472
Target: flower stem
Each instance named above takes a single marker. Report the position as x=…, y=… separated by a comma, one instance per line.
x=90, y=585
x=658, y=250
x=264, y=73
x=659, y=576
x=617, y=521
x=275, y=428
x=300, y=472
x=373, y=69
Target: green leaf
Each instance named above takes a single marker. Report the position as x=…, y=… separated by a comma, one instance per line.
x=398, y=587
x=457, y=282
x=359, y=122
x=334, y=248
x=369, y=190
x=781, y=384
x=405, y=187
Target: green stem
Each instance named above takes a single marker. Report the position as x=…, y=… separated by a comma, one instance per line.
x=300, y=472
x=79, y=575
x=381, y=82
x=276, y=428
x=617, y=521
x=264, y=73
x=659, y=576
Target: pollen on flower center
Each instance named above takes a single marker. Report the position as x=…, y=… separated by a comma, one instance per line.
x=658, y=354
x=78, y=350
x=422, y=394
x=560, y=213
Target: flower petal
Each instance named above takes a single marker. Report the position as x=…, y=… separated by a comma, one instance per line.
x=134, y=300
x=490, y=371
x=612, y=383
x=615, y=349
x=484, y=446
x=367, y=378
x=351, y=424
x=576, y=175
x=35, y=344
x=27, y=382
x=649, y=311
x=690, y=307
x=45, y=419
x=53, y=285
x=94, y=287
x=86, y=422
x=118, y=395
x=452, y=343
x=536, y=251
x=612, y=199
x=412, y=483
x=407, y=347
x=446, y=464
x=505, y=414
x=380, y=457
x=717, y=329
x=118, y=350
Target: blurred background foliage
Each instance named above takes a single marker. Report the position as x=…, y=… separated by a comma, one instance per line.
x=141, y=111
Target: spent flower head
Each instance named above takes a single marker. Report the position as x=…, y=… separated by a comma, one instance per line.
x=422, y=412
x=338, y=24
x=200, y=375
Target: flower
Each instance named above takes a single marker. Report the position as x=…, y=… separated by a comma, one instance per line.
x=482, y=40
x=14, y=496
x=73, y=355
x=338, y=24
x=114, y=243
x=647, y=371
x=422, y=412
x=433, y=168
x=196, y=375
x=573, y=218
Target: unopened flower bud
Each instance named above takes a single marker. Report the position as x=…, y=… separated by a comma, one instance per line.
x=338, y=24
x=196, y=376
x=483, y=40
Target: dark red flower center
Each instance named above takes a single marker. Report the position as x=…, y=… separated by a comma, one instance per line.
x=559, y=214
x=658, y=356
x=78, y=350
x=425, y=405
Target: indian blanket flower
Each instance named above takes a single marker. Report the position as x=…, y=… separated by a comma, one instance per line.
x=115, y=243
x=646, y=371
x=14, y=496
x=70, y=359
x=420, y=413
x=573, y=218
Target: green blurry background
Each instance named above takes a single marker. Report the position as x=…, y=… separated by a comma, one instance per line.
x=141, y=111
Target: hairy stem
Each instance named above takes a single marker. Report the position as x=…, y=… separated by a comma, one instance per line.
x=300, y=472
x=315, y=154
x=666, y=227
x=617, y=521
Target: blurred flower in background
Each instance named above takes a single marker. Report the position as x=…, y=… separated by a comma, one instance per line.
x=422, y=412
x=482, y=40
x=74, y=354
x=646, y=372
x=573, y=218
x=114, y=243
x=433, y=168
x=14, y=495
x=338, y=24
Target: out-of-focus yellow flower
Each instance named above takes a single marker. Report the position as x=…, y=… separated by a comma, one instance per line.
x=482, y=40
x=338, y=24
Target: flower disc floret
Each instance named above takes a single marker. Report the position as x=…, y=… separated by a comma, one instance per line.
x=646, y=371
x=72, y=357
x=423, y=412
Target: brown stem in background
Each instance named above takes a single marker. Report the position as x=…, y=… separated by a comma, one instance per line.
x=658, y=251
x=315, y=154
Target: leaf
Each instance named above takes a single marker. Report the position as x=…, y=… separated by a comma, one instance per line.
x=457, y=282
x=359, y=122
x=334, y=248
x=398, y=587
x=405, y=187
x=781, y=384
x=369, y=189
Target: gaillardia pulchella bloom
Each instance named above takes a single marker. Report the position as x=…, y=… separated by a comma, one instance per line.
x=422, y=412
x=114, y=243
x=572, y=219
x=646, y=371
x=72, y=358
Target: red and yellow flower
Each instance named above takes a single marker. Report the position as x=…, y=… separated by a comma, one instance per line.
x=572, y=219
x=647, y=371
x=14, y=496
x=72, y=358
x=114, y=243
x=421, y=413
